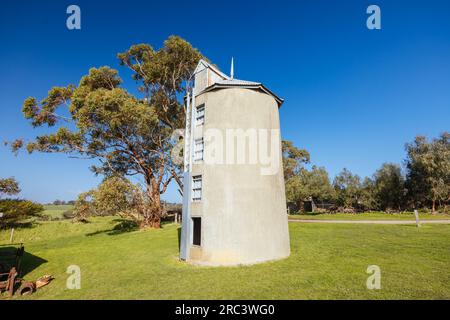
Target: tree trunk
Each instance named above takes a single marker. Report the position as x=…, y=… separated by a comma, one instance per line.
x=152, y=220
x=152, y=209
x=151, y=223
x=301, y=206
x=433, y=208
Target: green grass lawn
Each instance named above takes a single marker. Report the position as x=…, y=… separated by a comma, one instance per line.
x=369, y=216
x=56, y=211
x=327, y=262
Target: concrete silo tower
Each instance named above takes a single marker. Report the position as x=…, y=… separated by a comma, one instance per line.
x=234, y=206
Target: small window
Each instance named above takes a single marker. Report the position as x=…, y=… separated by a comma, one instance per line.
x=198, y=149
x=196, y=188
x=200, y=115
x=197, y=231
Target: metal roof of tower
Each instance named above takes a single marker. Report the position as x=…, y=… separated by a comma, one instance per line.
x=229, y=82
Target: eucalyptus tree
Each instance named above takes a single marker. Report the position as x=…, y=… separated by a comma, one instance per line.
x=129, y=135
x=303, y=184
x=389, y=187
x=9, y=186
x=310, y=184
x=348, y=189
x=428, y=170
x=293, y=159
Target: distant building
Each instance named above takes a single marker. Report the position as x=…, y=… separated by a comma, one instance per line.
x=232, y=213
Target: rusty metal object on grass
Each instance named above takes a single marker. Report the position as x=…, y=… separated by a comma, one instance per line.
x=11, y=256
x=27, y=288
x=10, y=267
x=43, y=281
x=8, y=281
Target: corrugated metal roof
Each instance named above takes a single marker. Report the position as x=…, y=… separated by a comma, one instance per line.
x=227, y=82
x=238, y=82
x=244, y=84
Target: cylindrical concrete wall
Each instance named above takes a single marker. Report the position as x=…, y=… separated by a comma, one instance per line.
x=243, y=208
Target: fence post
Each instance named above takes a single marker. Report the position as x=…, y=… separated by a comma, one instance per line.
x=11, y=237
x=416, y=214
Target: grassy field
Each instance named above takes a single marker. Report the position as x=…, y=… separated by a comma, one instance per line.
x=327, y=262
x=369, y=216
x=56, y=211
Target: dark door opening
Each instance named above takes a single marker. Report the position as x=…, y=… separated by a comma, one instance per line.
x=197, y=231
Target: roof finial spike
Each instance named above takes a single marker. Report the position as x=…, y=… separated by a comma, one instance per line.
x=232, y=69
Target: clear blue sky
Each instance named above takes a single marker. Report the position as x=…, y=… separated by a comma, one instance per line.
x=353, y=96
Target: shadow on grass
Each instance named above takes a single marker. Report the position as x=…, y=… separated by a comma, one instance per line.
x=19, y=225
x=179, y=238
x=414, y=226
x=122, y=226
x=30, y=262
x=24, y=264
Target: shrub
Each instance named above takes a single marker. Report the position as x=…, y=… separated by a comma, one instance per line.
x=118, y=196
x=115, y=195
x=69, y=214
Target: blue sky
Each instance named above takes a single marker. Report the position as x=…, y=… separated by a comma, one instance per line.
x=354, y=96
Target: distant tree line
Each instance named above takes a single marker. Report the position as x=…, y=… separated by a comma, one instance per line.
x=423, y=182
x=58, y=202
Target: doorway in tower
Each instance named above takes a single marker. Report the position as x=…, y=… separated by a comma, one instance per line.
x=197, y=231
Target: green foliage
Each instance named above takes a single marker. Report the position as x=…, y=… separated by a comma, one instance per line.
x=162, y=74
x=45, y=113
x=367, y=197
x=318, y=184
x=83, y=207
x=389, y=188
x=302, y=184
x=127, y=134
x=384, y=191
x=309, y=184
x=293, y=159
x=427, y=180
x=16, y=212
x=114, y=195
x=68, y=214
x=348, y=189
x=9, y=186
x=428, y=170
